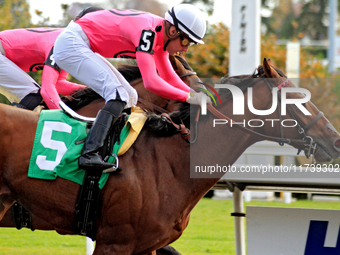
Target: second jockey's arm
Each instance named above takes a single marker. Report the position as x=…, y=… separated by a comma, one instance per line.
x=48, y=87
x=154, y=83
x=55, y=83
x=65, y=87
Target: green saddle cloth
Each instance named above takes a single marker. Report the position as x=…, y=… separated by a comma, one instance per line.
x=58, y=143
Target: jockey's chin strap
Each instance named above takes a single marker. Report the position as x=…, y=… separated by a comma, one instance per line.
x=166, y=44
x=166, y=26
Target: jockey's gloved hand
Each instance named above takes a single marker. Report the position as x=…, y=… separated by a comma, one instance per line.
x=197, y=97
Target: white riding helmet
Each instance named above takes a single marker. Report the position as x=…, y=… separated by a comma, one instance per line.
x=189, y=19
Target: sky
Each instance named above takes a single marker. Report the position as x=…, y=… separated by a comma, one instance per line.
x=53, y=10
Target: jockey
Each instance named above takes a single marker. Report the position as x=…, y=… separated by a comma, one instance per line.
x=127, y=34
x=27, y=50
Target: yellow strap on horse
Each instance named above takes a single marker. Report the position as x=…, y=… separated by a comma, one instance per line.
x=137, y=121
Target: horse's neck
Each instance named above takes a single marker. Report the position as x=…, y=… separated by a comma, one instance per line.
x=195, y=188
x=218, y=146
x=145, y=94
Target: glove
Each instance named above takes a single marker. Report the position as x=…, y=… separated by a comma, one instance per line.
x=196, y=98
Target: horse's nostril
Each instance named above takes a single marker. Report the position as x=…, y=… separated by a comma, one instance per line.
x=337, y=143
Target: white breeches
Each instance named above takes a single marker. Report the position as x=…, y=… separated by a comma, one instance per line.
x=73, y=54
x=14, y=80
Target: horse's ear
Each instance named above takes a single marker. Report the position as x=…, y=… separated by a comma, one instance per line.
x=269, y=70
x=269, y=62
x=266, y=67
x=173, y=61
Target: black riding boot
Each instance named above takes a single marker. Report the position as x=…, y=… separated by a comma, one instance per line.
x=90, y=158
x=30, y=101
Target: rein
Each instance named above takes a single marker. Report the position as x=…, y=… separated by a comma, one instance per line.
x=158, y=108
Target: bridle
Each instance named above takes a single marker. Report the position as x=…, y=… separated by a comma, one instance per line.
x=187, y=74
x=305, y=143
x=310, y=145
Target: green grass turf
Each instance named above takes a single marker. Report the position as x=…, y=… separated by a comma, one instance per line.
x=26, y=242
x=211, y=228
x=210, y=231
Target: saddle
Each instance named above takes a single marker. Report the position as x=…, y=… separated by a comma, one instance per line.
x=70, y=133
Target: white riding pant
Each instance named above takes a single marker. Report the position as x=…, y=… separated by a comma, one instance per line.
x=13, y=79
x=73, y=54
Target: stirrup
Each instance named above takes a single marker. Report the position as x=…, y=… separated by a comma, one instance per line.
x=93, y=162
x=115, y=167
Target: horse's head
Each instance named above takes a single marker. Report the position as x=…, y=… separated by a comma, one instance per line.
x=313, y=128
x=301, y=126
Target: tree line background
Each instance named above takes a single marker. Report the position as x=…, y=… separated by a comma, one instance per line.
x=282, y=19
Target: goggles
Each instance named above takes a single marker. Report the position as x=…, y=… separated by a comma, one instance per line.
x=185, y=40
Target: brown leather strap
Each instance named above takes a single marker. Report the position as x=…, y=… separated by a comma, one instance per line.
x=156, y=107
x=185, y=132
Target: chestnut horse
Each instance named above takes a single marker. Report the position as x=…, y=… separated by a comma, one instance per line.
x=147, y=205
x=88, y=103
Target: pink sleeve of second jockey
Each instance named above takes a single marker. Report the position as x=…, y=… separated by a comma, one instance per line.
x=55, y=83
x=48, y=87
x=156, y=84
x=65, y=87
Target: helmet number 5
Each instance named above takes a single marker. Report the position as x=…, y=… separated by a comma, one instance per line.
x=146, y=41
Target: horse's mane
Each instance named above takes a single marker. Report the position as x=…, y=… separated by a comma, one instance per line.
x=183, y=62
x=130, y=72
x=162, y=127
